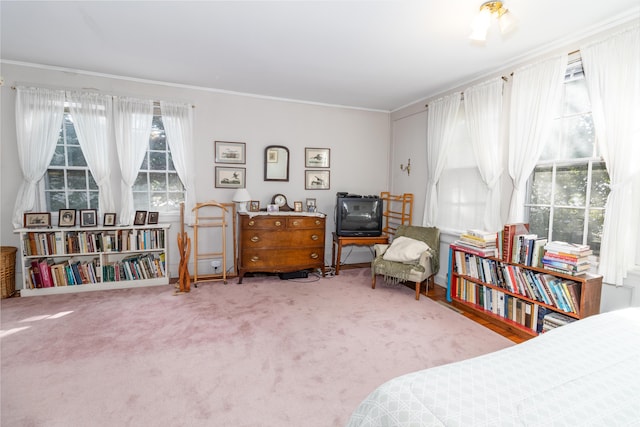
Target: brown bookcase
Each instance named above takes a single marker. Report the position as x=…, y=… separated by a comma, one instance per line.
x=480, y=285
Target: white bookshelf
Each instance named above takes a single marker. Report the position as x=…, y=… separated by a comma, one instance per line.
x=82, y=259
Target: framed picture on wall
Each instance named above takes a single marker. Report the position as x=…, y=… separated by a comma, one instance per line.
x=230, y=152
x=227, y=177
x=317, y=157
x=316, y=179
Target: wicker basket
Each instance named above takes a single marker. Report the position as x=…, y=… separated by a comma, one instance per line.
x=8, y=271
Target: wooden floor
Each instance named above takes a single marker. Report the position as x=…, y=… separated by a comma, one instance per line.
x=439, y=293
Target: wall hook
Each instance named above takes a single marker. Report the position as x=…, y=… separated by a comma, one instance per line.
x=406, y=168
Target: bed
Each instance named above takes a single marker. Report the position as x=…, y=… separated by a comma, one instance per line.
x=586, y=373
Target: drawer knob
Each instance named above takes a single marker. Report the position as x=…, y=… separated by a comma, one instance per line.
x=296, y=223
x=255, y=258
x=315, y=237
x=255, y=239
x=314, y=256
x=278, y=223
x=252, y=223
x=318, y=222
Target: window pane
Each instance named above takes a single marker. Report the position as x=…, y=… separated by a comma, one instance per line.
x=92, y=183
x=539, y=220
x=145, y=164
x=158, y=181
x=158, y=199
x=71, y=137
x=174, y=182
x=579, y=136
x=175, y=199
x=541, y=186
x=54, y=179
x=576, y=96
x=75, y=156
x=157, y=161
x=58, y=156
x=141, y=183
x=596, y=225
x=170, y=166
x=56, y=200
x=571, y=186
x=140, y=201
x=76, y=180
x=93, y=199
x=158, y=139
x=599, y=185
x=568, y=225
x=78, y=200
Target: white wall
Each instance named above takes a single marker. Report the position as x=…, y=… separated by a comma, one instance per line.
x=358, y=139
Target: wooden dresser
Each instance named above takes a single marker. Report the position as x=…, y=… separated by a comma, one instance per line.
x=280, y=242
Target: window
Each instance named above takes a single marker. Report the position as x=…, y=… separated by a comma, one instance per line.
x=68, y=183
x=569, y=187
x=158, y=186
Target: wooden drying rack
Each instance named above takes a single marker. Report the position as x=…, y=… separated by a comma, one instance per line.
x=398, y=210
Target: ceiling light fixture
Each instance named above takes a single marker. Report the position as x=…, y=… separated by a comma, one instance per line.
x=481, y=23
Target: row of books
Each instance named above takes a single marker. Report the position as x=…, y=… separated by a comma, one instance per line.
x=553, y=320
x=77, y=242
x=139, y=267
x=522, y=312
x=46, y=273
x=546, y=288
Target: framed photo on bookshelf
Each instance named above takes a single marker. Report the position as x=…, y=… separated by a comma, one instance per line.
x=109, y=220
x=140, y=218
x=88, y=218
x=67, y=218
x=316, y=179
x=37, y=219
x=230, y=152
x=227, y=177
x=317, y=157
x=152, y=218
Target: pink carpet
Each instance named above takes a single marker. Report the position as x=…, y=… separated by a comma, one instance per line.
x=265, y=353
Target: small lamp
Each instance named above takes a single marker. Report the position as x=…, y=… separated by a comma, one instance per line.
x=241, y=197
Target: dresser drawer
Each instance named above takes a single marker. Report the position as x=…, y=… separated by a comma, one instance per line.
x=282, y=259
x=263, y=223
x=259, y=238
x=296, y=223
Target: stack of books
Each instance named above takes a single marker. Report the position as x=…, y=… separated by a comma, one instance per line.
x=554, y=320
x=567, y=258
x=479, y=242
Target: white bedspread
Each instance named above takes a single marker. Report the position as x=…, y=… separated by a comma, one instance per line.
x=583, y=374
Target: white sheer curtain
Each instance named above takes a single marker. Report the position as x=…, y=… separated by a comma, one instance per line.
x=535, y=98
x=441, y=126
x=483, y=109
x=92, y=118
x=612, y=73
x=133, y=118
x=178, y=125
x=39, y=114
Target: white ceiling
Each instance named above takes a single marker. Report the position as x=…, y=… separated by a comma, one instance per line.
x=378, y=55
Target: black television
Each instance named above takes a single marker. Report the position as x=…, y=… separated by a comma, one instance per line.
x=358, y=216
